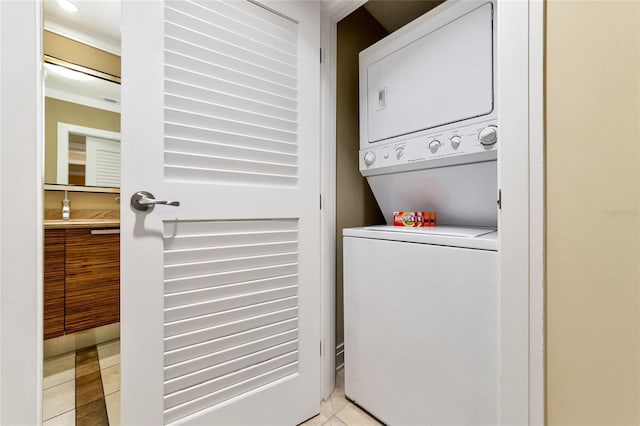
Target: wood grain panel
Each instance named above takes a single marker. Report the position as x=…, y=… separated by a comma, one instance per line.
x=92, y=296
x=54, y=253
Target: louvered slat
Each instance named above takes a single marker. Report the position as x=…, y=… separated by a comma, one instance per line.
x=260, y=76
x=257, y=378
x=187, y=324
x=211, y=347
x=189, y=88
x=183, y=131
x=107, y=168
x=224, y=89
x=237, y=326
x=228, y=277
x=196, y=147
x=198, y=118
x=231, y=165
x=245, y=372
x=231, y=89
x=227, y=354
x=182, y=102
x=274, y=23
x=200, y=33
x=234, y=237
x=237, y=363
x=202, y=62
x=217, y=292
x=200, y=312
x=243, y=26
x=248, y=249
x=215, y=265
x=190, y=229
x=231, y=304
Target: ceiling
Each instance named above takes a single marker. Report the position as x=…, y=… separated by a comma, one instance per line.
x=393, y=14
x=87, y=90
x=96, y=23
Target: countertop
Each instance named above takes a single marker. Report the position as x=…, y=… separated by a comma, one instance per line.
x=81, y=223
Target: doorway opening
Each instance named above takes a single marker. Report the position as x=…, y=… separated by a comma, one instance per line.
x=521, y=166
x=81, y=193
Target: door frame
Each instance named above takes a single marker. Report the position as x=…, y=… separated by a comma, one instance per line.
x=521, y=168
x=21, y=215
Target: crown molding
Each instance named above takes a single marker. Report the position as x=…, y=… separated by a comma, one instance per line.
x=80, y=36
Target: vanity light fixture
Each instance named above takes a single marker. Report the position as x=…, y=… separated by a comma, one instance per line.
x=68, y=5
x=69, y=73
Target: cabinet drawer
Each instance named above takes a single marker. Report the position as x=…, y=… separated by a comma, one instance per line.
x=92, y=297
x=54, y=254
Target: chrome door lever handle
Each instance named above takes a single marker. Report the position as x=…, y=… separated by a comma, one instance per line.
x=148, y=201
x=145, y=201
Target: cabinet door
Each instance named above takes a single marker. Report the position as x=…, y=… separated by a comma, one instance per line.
x=53, y=283
x=92, y=279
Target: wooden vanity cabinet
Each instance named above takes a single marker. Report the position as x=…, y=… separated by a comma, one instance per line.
x=92, y=278
x=81, y=279
x=53, y=282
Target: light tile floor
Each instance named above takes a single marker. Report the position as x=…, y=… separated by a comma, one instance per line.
x=338, y=411
x=59, y=394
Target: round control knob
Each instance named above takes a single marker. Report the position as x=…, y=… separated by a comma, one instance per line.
x=434, y=146
x=455, y=141
x=488, y=136
x=399, y=152
x=369, y=158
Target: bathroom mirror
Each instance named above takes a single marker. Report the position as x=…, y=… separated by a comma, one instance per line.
x=82, y=126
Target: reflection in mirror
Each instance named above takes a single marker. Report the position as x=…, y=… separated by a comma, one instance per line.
x=82, y=126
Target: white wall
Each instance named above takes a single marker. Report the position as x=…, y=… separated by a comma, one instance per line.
x=20, y=213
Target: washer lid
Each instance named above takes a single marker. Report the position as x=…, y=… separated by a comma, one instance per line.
x=451, y=231
x=452, y=236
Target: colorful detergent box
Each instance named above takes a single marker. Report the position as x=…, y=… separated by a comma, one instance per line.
x=413, y=219
x=428, y=218
x=406, y=219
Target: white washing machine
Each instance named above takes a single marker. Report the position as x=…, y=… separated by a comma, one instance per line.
x=421, y=324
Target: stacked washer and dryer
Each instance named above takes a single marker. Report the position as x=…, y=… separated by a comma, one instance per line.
x=421, y=304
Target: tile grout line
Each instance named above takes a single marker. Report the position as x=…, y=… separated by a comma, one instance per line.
x=58, y=415
x=58, y=369
x=103, y=368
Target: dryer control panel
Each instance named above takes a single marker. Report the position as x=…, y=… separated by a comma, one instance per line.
x=462, y=145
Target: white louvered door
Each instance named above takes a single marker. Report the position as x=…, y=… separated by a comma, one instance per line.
x=220, y=297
